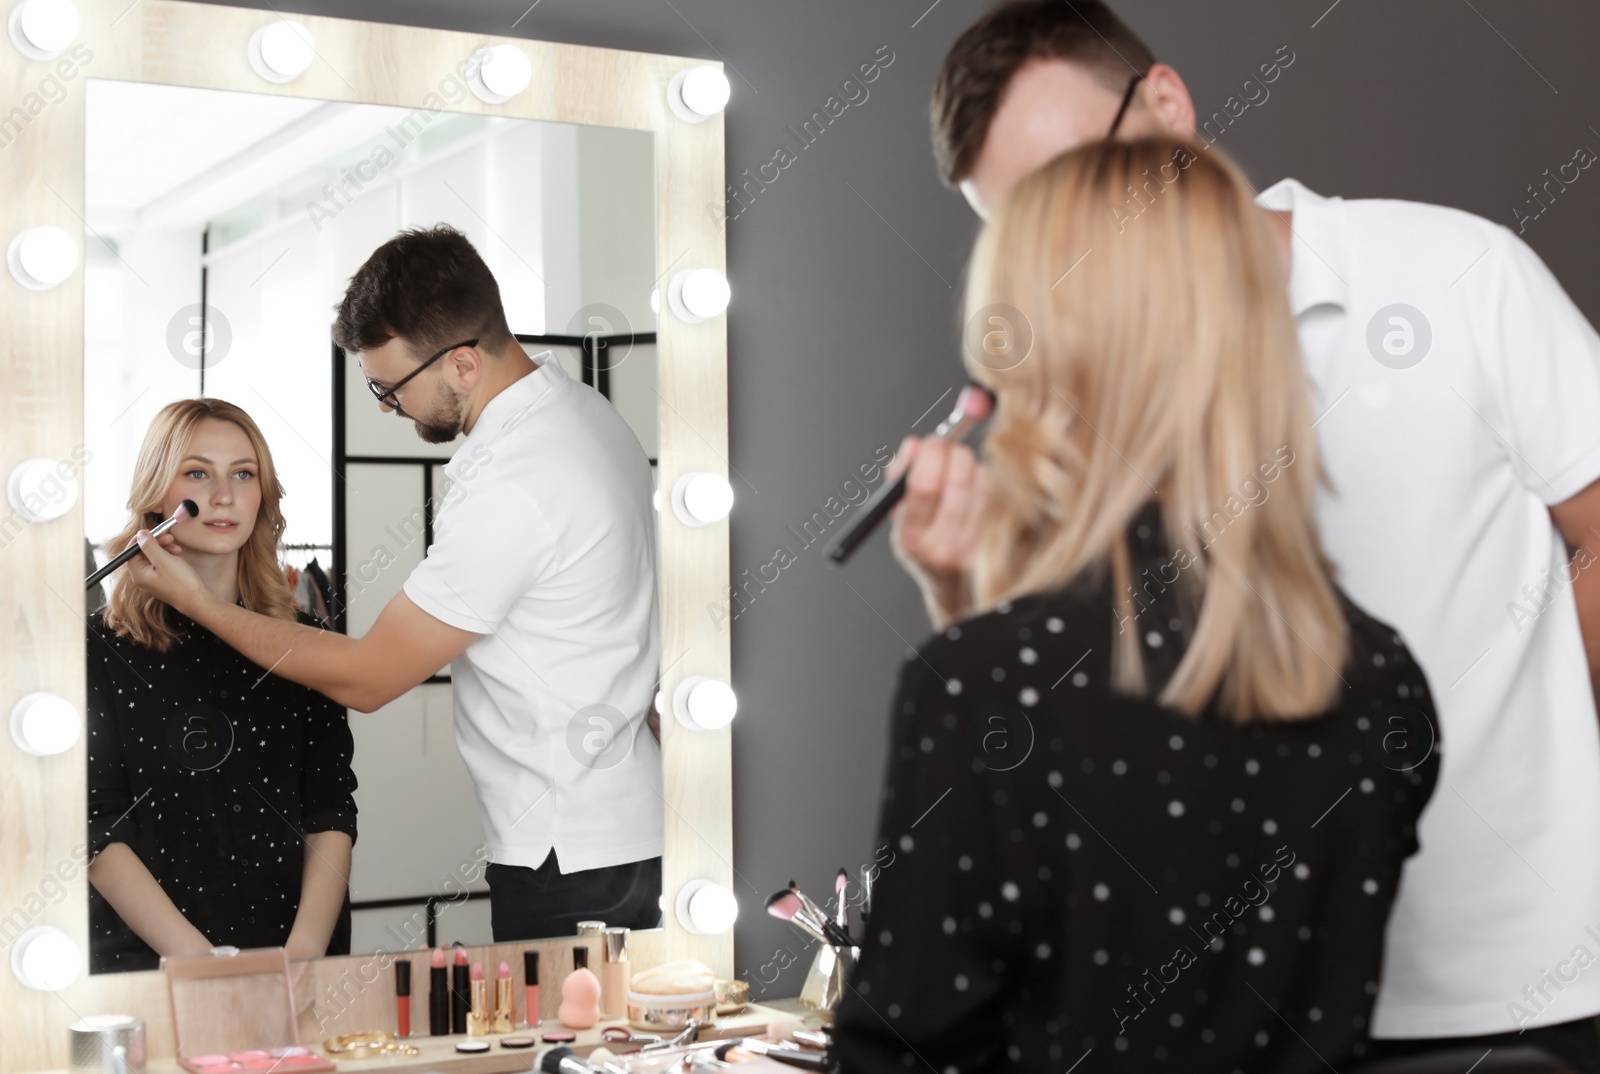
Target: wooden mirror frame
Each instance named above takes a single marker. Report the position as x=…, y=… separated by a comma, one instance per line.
x=43, y=800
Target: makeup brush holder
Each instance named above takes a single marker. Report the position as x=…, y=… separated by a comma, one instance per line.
x=825, y=983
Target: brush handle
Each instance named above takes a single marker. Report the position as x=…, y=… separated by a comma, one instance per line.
x=131, y=551
x=955, y=429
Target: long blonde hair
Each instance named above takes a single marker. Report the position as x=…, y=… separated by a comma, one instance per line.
x=1164, y=355
x=135, y=614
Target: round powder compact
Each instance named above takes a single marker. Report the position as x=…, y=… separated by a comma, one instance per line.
x=560, y=1036
x=472, y=1046
x=517, y=1042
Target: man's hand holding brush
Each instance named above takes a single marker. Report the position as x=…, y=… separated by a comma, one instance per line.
x=936, y=524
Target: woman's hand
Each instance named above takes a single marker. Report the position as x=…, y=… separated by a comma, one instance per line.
x=159, y=571
x=936, y=524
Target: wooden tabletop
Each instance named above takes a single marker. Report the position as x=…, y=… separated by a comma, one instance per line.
x=439, y=1053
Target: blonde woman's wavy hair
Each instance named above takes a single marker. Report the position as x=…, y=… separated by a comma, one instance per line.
x=1166, y=358
x=133, y=613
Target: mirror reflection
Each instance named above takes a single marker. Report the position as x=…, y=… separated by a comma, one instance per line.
x=394, y=686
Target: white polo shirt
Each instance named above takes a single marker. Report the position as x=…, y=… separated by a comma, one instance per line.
x=1444, y=456
x=545, y=543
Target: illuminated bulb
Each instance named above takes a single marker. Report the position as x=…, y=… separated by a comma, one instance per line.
x=42, y=29
x=498, y=74
x=40, y=490
x=706, y=908
x=41, y=258
x=281, y=51
x=45, y=724
x=46, y=959
x=698, y=295
x=699, y=499
x=698, y=94
x=703, y=704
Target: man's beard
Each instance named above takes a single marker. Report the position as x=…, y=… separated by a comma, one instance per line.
x=444, y=427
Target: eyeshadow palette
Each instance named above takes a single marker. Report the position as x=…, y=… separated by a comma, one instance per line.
x=259, y=1061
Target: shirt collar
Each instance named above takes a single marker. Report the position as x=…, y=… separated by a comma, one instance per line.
x=514, y=399
x=1318, y=271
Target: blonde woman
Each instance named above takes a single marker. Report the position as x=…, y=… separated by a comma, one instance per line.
x=1151, y=791
x=221, y=806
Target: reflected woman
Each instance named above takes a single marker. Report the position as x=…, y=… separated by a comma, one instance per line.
x=221, y=797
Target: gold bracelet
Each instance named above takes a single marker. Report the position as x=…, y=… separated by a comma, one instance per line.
x=368, y=1045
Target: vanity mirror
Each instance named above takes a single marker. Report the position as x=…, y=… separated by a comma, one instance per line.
x=189, y=189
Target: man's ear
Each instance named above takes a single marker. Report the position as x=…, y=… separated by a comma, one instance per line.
x=1166, y=94
x=468, y=364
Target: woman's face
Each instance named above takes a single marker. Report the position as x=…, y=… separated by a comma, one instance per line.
x=222, y=476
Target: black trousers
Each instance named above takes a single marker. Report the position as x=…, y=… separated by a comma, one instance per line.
x=1576, y=1044
x=534, y=904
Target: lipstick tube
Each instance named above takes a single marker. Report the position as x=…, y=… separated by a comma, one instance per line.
x=478, y=1016
x=439, y=996
x=402, y=998
x=460, y=993
x=504, y=1005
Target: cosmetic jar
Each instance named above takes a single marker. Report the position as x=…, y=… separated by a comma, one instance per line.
x=672, y=995
x=107, y=1044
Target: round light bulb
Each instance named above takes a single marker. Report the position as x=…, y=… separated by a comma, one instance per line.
x=698, y=294
x=699, y=499
x=40, y=490
x=41, y=258
x=45, y=724
x=45, y=958
x=499, y=73
x=281, y=51
x=697, y=94
x=42, y=29
x=706, y=90
x=704, y=704
x=706, y=907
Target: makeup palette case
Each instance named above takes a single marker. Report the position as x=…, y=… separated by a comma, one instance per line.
x=233, y=1012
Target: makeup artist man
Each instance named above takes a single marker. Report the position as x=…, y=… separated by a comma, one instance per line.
x=1461, y=461
x=539, y=590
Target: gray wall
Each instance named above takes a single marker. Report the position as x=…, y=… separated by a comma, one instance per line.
x=846, y=274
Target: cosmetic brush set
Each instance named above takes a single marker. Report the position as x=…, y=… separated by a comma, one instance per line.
x=836, y=958
x=796, y=907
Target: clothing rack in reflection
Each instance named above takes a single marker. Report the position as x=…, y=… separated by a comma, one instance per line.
x=430, y=904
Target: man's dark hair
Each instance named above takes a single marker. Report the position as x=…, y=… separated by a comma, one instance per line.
x=981, y=63
x=427, y=286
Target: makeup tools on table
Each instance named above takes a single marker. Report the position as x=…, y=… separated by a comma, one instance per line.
x=186, y=509
x=836, y=958
x=973, y=405
x=792, y=904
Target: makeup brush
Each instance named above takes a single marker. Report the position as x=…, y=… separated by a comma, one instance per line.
x=786, y=906
x=835, y=934
x=841, y=884
x=973, y=405
x=186, y=509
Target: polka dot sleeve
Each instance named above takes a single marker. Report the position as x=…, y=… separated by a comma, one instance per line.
x=947, y=944
x=327, y=780
x=112, y=817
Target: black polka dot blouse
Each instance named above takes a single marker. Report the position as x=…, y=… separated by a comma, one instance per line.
x=1075, y=879
x=212, y=770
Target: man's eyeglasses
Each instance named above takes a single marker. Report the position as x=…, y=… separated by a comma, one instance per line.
x=1127, y=99
x=386, y=396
